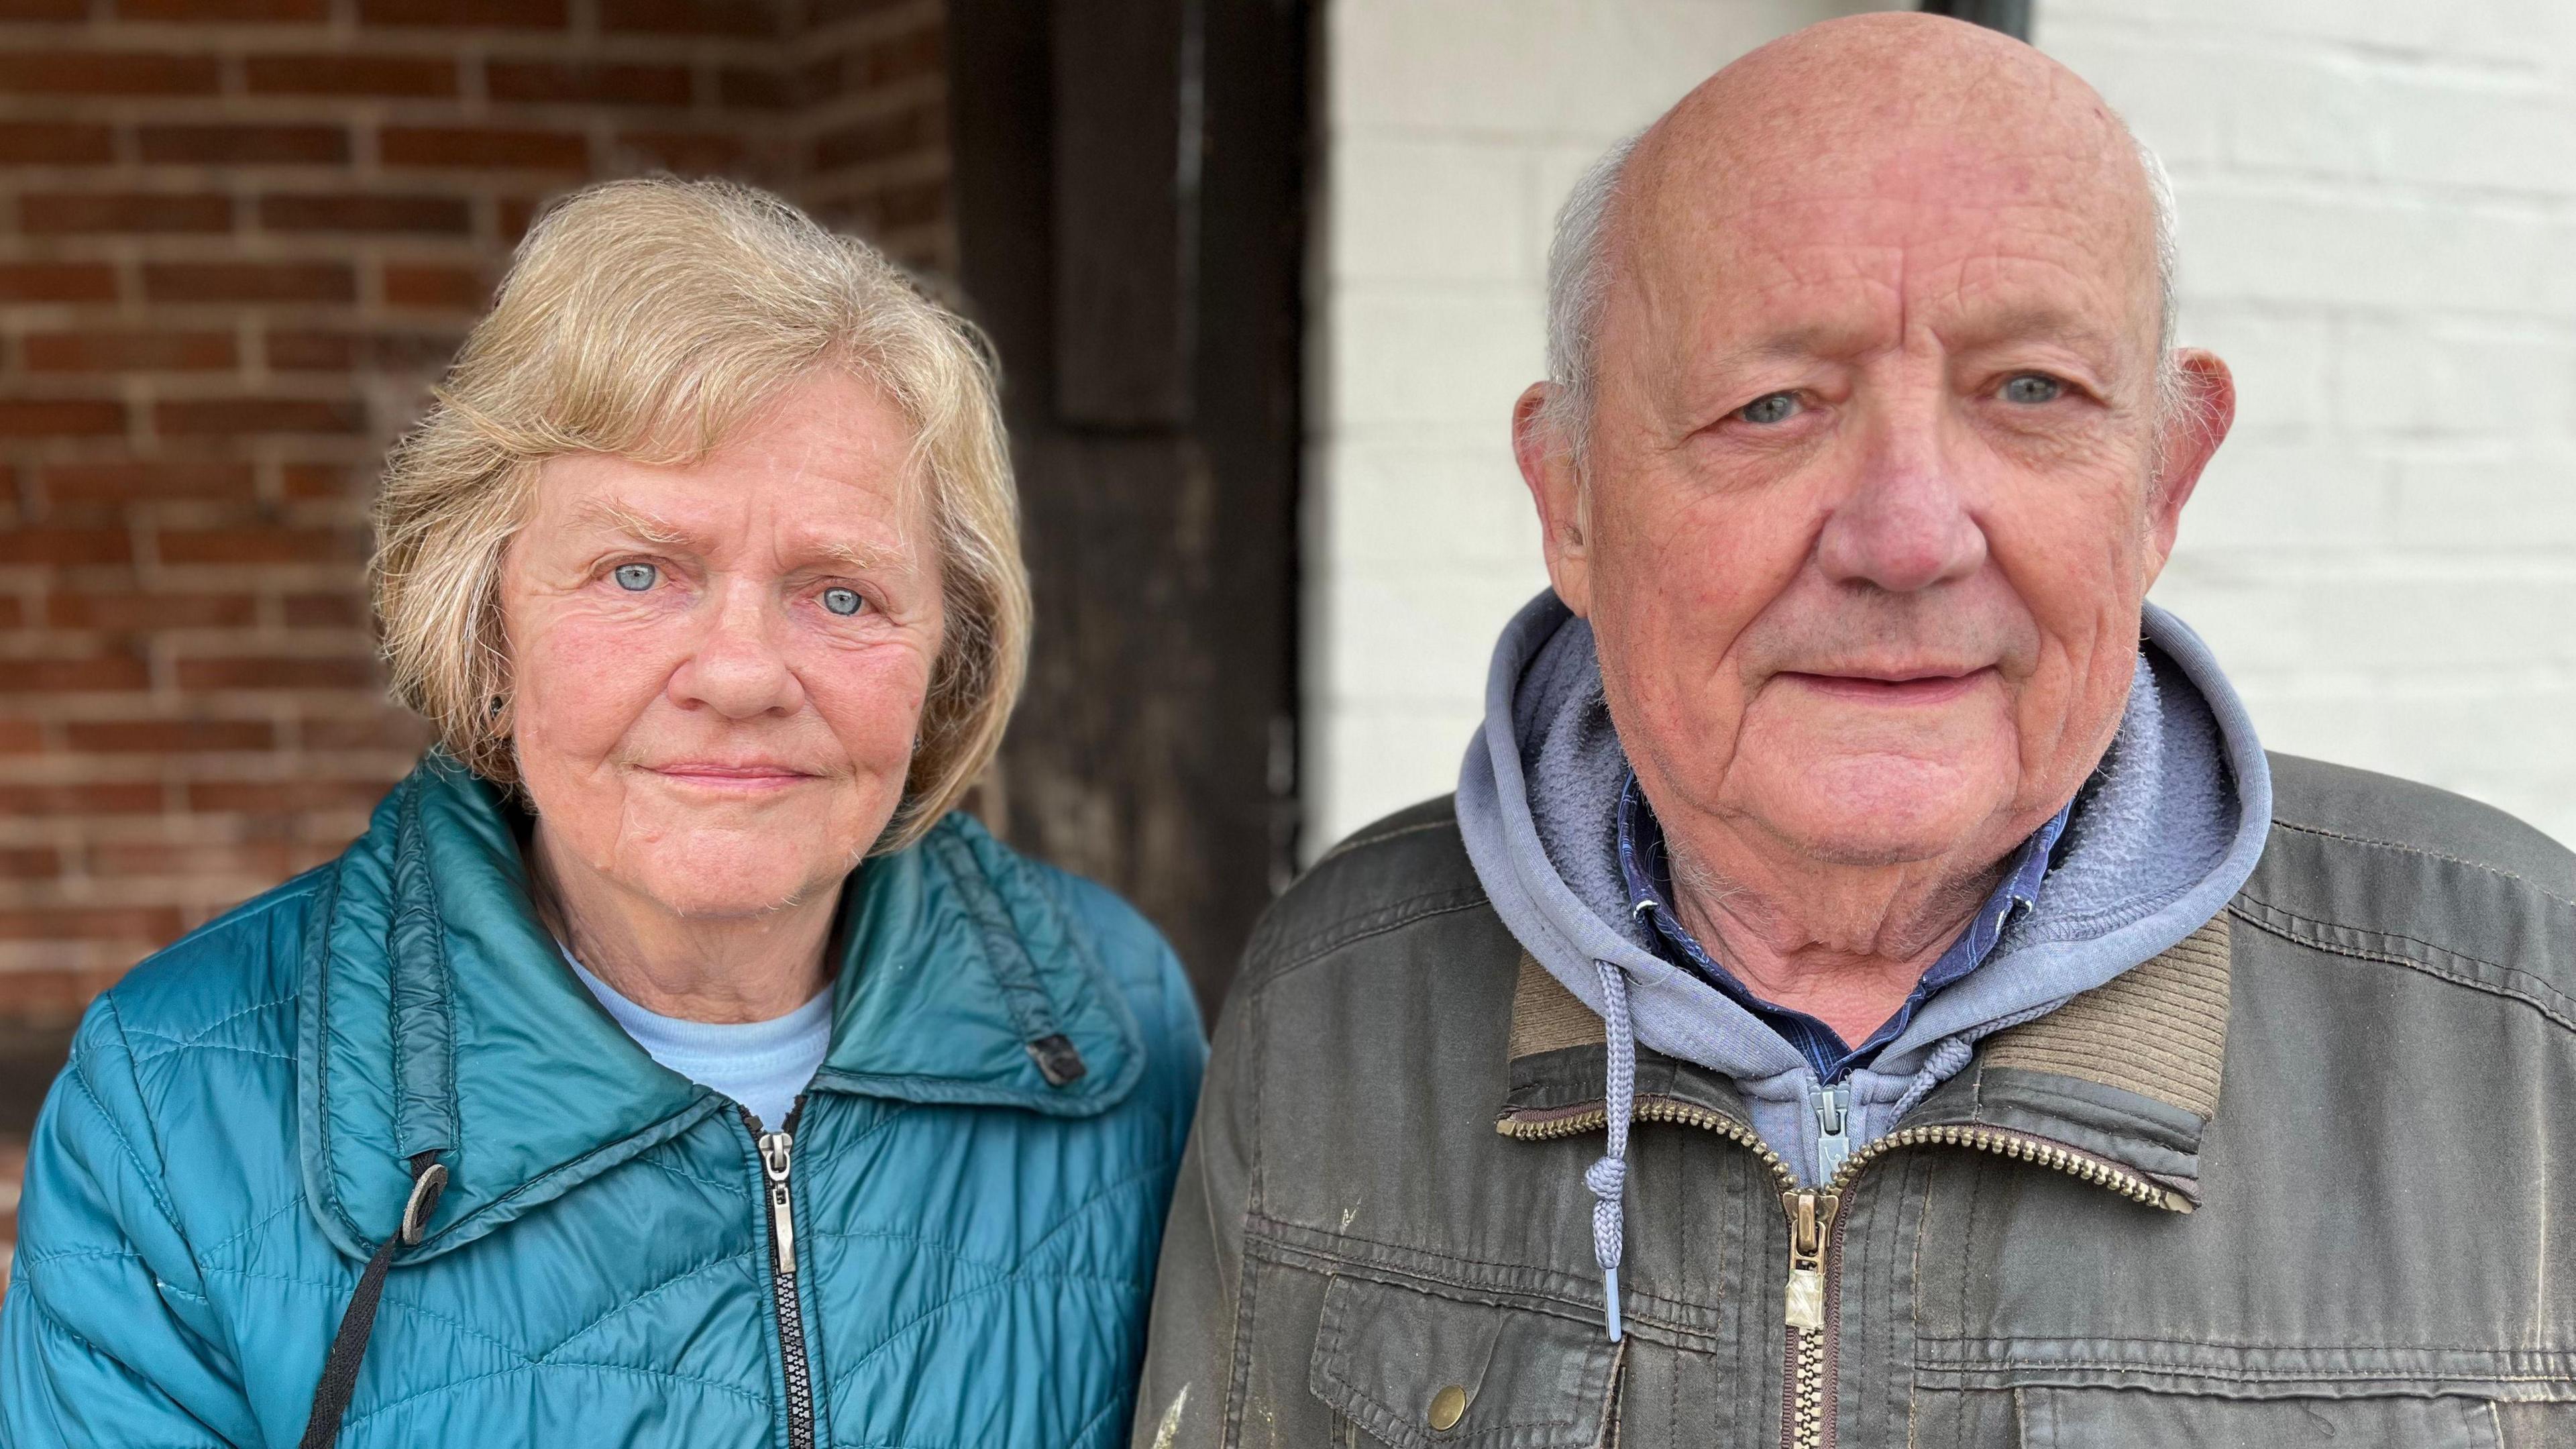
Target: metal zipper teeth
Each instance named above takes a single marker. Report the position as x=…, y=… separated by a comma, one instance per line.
x=1984, y=1139
x=1653, y=1109
x=1825, y=1343
x=800, y=1374
x=1807, y=1420
x=798, y=1370
x=2021, y=1148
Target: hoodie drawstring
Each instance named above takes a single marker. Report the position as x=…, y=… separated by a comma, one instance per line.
x=1608, y=1178
x=1948, y=1059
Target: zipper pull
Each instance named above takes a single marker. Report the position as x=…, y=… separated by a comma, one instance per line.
x=1833, y=1127
x=776, y=1157
x=1811, y=1224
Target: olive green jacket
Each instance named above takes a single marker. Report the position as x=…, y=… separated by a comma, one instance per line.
x=2307, y=1178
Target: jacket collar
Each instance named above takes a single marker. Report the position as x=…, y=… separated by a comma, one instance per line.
x=436, y=1015
x=2125, y=1074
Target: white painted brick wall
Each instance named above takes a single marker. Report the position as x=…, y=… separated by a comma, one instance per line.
x=2379, y=233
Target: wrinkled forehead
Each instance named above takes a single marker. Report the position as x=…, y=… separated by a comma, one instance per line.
x=1880, y=214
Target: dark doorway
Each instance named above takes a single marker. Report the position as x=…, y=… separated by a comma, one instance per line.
x=1130, y=194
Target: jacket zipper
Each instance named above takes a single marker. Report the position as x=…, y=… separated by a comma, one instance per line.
x=777, y=1160
x=1832, y=1106
x=1812, y=1300
x=1812, y=1219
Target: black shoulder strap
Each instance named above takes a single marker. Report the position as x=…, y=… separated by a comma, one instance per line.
x=358, y=1320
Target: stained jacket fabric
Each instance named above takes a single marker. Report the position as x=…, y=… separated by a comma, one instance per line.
x=978, y=1176
x=2306, y=1177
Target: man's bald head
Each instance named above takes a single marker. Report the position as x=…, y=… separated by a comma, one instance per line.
x=1835, y=97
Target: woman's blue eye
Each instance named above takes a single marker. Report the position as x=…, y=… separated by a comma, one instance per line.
x=1774, y=408
x=636, y=578
x=2033, y=387
x=842, y=601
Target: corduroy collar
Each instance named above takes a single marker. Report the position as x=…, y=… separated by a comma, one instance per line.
x=2127, y=1073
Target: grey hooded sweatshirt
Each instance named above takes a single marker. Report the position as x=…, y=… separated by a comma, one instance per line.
x=2162, y=835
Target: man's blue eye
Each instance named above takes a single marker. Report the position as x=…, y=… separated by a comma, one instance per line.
x=842, y=601
x=2033, y=388
x=636, y=578
x=1776, y=407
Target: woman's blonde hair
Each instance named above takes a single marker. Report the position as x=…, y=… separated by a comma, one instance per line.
x=646, y=320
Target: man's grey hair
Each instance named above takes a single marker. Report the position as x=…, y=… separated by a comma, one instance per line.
x=1579, y=277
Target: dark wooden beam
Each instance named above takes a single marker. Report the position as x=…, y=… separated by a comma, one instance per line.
x=1129, y=175
x=1127, y=125
x=2012, y=17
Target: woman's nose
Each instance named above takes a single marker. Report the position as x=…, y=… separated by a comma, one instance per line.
x=737, y=668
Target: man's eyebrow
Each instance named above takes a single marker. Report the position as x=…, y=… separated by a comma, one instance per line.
x=2027, y=324
x=1788, y=345
x=2042, y=324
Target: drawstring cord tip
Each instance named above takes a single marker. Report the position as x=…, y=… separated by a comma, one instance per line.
x=1608, y=1176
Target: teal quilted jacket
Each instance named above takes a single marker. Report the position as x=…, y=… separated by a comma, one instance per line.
x=973, y=1185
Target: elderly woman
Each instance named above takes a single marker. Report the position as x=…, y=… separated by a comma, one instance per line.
x=668, y=1063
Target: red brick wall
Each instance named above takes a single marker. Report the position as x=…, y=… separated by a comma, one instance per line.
x=237, y=239
x=872, y=97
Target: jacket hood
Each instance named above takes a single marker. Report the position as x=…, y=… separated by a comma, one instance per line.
x=436, y=1015
x=2164, y=832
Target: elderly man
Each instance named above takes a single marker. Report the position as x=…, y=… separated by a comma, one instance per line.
x=1871, y=988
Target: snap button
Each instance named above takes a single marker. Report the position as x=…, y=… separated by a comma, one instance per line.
x=1447, y=1407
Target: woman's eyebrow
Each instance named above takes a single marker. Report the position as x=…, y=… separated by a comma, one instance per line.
x=611, y=516
x=842, y=553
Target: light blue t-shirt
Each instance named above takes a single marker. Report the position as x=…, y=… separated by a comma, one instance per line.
x=763, y=1065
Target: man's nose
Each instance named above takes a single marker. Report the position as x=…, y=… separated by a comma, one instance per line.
x=1905, y=525
x=737, y=669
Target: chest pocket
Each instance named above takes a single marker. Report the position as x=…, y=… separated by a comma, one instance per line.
x=1419, y=1370
x=2138, y=1419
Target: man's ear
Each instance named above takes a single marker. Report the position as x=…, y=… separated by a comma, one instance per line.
x=1546, y=457
x=2188, y=433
